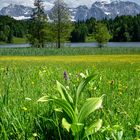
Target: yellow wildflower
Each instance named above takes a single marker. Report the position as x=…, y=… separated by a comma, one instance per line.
x=35, y=134
x=24, y=108
x=120, y=93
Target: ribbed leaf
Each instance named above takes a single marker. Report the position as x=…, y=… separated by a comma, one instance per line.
x=89, y=106
x=82, y=86
x=63, y=93
x=93, y=128
x=62, y=104
x=66, y=107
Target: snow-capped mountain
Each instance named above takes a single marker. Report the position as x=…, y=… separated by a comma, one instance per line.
x=98, y=10
x=101, y=10
x=17, y=11
x=80, y=13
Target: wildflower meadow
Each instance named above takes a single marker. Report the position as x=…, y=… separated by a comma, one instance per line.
x=95, y=97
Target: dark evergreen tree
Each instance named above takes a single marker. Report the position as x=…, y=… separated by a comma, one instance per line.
x=79, y=33
x=37, y=31
x=10, y=28
x=61, y=23
x=136, y=31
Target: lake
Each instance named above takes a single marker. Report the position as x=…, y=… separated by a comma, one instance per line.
x=110, y=44
x=90, y=44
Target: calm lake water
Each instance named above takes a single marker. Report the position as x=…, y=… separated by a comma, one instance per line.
x=110, y=44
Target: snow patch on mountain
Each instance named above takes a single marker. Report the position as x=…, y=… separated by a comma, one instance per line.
x=21, y=18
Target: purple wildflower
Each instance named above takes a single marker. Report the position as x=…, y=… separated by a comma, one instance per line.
x=66, y=76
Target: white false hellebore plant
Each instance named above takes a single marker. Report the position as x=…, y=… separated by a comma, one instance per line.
x=75, y=118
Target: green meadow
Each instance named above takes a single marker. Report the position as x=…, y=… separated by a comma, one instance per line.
x=16, y=40
x=25, y=79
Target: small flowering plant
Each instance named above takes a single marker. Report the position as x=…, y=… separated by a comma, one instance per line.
x=75, y=117
x=66, y=77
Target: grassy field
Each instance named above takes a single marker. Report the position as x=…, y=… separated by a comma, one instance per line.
x=19, y=40
x=16, y=41
x=25, y=79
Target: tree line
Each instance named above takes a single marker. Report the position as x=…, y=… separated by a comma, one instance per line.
x=10, y=28
x=54, y=32
x=40, y=30
x=121, y=29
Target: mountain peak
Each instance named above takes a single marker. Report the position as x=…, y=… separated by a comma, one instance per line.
x=11, y=5
x=98, y=10
x=17, y=11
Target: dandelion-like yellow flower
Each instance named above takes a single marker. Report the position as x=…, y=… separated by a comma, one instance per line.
x=120, y=93
x=120, y=89
x=120, y=85
x=24, y=108
x=35, y=134
x=33, y=83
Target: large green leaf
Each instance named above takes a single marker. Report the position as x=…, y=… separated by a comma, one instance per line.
x=89, y=106
x=81, y=87
x=62, y=104
x=63, y=93
x=93, y=128
x=66, y=107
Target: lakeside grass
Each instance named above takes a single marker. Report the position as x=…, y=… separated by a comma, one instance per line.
x=68, y=51
x=24, y=79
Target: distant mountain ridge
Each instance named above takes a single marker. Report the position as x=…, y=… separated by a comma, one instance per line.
x=18, y=12
x=98, y=10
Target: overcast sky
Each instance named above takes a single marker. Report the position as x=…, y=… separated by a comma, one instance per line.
x=48, y=3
